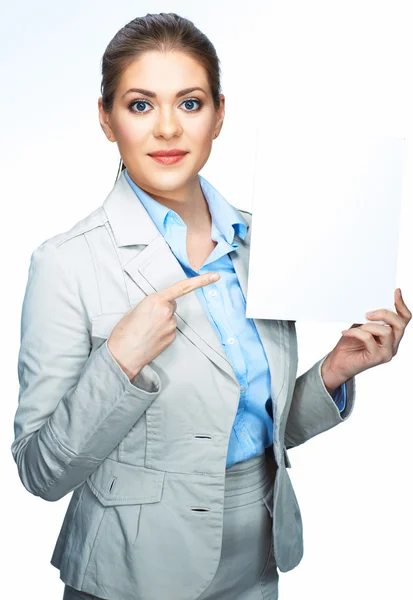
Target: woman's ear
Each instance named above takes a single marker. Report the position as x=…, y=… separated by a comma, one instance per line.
x=105, y=122
x=220, y=116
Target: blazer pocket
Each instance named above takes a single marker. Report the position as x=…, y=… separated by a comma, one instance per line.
x=122, y=489
x=115, y=483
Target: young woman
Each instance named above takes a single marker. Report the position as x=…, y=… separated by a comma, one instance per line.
x=144, y=389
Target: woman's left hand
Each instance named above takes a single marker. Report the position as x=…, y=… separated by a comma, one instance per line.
x=364, y=346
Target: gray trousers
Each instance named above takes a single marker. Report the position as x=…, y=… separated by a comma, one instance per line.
x=247, y=568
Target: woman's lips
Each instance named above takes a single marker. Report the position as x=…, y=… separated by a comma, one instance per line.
x=168, y=160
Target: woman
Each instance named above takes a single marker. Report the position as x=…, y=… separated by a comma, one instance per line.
x=143, y=387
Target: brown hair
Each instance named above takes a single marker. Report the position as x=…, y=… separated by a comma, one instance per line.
x=161, y=32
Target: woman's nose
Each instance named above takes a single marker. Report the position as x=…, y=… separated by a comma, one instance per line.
x=168, y=123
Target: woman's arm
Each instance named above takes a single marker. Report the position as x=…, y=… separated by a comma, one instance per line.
x=312, y=409
x=74, y=406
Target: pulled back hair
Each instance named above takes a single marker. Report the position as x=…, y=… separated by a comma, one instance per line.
x=161, y=32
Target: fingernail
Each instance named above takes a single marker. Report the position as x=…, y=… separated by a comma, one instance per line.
x=371, y=314
x=214, y=277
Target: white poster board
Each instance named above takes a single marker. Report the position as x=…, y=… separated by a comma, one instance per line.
x=325, y=225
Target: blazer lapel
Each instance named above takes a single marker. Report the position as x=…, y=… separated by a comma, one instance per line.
x=156, y=268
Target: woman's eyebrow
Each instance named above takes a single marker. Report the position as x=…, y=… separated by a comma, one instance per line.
x=153, y=95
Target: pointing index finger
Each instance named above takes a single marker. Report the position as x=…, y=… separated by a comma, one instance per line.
x=180, y=288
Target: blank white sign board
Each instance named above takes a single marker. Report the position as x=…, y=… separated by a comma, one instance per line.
x=325, y=225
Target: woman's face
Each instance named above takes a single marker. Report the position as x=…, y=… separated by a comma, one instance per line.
x=141, y=123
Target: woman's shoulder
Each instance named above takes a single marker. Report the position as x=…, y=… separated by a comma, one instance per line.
x=70, y=249
x=96, y=218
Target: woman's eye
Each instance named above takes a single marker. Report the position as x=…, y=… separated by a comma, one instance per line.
x=138, y=103
x=141, y=103
x=191, y=101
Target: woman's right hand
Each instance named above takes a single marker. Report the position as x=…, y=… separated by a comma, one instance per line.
x=146, y=330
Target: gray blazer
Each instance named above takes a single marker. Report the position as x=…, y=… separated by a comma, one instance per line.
x=140, y=467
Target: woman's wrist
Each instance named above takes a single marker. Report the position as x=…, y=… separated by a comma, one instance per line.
x=330, y=380
x=130, y=367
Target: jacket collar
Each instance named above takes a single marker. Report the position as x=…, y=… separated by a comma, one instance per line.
x=130, y=221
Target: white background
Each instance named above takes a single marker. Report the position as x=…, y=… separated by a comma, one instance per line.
x=353, y=483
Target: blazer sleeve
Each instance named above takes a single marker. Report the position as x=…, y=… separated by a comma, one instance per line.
x=74, y=406
x=312, y=409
